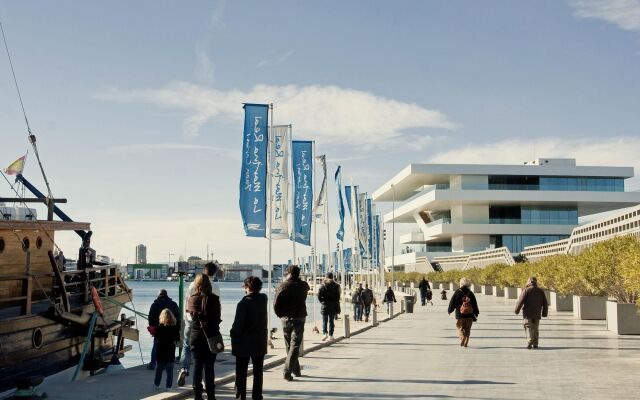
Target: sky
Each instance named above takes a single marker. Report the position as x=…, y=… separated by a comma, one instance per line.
x=137, y=105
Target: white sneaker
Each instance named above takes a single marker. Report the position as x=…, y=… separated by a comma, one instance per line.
x=331, y=338
x=325, y=337
x=156, y=387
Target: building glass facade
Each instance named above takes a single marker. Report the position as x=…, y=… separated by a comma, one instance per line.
x=551, y=183
x=533, y=215
x=517, y=243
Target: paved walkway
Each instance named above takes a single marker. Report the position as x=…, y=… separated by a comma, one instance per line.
x=416, y=356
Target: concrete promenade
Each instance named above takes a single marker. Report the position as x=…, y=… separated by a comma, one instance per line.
x=417, y=356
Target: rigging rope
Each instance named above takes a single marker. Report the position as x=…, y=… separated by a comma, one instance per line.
x=30, y=135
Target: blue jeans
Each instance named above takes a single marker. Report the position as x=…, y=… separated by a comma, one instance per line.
x=357, y=312
x=293, y=331
x=164, y=367
x=153, y=353
x=330, y=318
x=367, y=311
x=186, y=348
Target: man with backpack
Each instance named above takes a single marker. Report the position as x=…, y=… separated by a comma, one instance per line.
x=463, y=302
x=329, y=297
x=534, y=306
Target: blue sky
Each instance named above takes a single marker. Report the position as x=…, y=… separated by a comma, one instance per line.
x=136, y=105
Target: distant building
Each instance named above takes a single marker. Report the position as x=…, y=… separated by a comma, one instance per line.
x=239, y=272
x=140, y=271
x=141, y=254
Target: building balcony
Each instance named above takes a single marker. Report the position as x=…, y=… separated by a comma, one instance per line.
x=441, y=230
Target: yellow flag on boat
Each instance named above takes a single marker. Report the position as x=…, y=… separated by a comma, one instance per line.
x=16, y=167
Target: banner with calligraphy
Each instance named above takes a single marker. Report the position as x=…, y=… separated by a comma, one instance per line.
x=302, y=155
x=253, y=178
x=321, y=201
x=279, y=152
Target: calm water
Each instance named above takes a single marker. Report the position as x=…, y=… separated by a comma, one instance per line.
x=144, y=293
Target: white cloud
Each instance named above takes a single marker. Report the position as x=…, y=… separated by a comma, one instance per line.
x=616, y=151
x=205, y=69
x=623, y=13
x=147, y=148
x=328, y=113
x=276, y=61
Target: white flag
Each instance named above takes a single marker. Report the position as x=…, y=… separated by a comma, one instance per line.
x=279, y=182
x=321, y=201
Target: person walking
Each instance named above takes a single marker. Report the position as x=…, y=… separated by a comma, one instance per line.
x=329, y=298
x=367, y=300
x=210, y=269
x=358, y=304
x=249, y=337
x=425, y=288
x=204, y=308
x=167, y=335
x=534, y=306
x=464, y=303
x=160, y=303
x=289, y=305
x=389, y=298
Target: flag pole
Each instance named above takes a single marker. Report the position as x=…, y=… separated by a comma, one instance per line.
x=270, y=300
x=294, y=261
x=314, y=257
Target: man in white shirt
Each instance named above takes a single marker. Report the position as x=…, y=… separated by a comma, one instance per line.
x=210, y=270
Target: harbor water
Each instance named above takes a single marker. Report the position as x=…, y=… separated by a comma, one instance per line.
x=144, y=293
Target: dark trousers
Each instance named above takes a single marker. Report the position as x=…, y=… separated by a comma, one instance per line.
x=357, y=312
x=242, y=365
x=293, y=331
x=367, y=311
x=152, y=363
x=328, y=319
x=423, y=297
x=203, y=360
x=168, y=366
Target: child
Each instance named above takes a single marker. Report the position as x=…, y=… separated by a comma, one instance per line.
x=167, y=335
x=443, y=294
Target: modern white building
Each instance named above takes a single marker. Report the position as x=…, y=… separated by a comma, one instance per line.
x=459, y=209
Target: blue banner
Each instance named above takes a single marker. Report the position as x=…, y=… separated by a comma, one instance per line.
x=369, y=229
x=253, y=177
x=346, y=256
x=303, y=190
x=347, y=195
x=338, y=178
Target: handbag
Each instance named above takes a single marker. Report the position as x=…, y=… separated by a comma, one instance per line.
x=215, y=342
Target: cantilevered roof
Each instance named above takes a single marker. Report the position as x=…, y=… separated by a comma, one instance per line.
x=412, y=178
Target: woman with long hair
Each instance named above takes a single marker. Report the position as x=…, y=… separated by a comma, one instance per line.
x=204, y=308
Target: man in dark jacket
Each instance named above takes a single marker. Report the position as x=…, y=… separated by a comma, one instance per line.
x=329, y=297
x=534, y=306
x=249, y=337
x=424, y=288
x=358, y=304
x=367, y=300
x=289, y=305
x=163, y=301
x=464, y=303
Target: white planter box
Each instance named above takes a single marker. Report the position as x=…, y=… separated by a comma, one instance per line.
x=518, y=292
x=547, y=294
x=561, y=303
x=498, y=291
x=590, y=307
x=454, y=286
x=476, y=288
x=622, y=318
x=510, y=293
x=435, y=285
x=487, y=290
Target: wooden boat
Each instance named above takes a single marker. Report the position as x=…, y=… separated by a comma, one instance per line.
x=45, y=312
